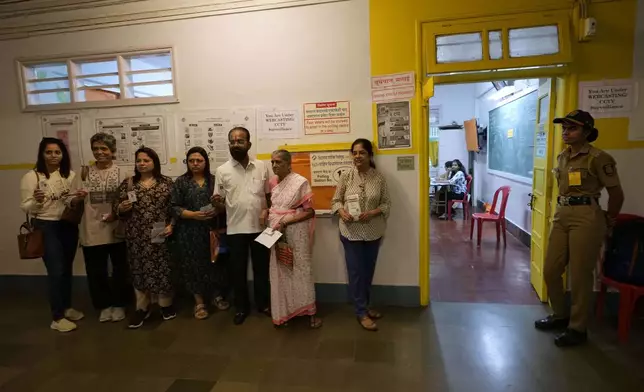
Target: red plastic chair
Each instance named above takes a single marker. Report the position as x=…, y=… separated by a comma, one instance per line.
x=498, y=219
x=628, y=294
x=465, y=201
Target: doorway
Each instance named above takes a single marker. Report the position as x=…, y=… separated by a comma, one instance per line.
x=512, y=148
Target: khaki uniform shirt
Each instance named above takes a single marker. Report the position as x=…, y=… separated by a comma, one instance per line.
x=585, y=173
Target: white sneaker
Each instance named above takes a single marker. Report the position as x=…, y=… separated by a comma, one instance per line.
x=74, y=315
x=63, y=325
x=106, y=315
x=118, y=314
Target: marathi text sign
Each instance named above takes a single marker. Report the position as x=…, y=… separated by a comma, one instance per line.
x=327, y=117
x=327, y=167
x=393, y=87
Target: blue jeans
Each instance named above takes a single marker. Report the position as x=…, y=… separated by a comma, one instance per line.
x=61, y=241
x=361, y=259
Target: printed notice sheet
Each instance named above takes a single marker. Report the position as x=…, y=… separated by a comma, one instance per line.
x=279, y=124
x=394, y=125
x=133, y=133
x=327, y=167
x=323, y=118
x=209, y=129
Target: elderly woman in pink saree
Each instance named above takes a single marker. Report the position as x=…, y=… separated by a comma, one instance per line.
x=292, y=286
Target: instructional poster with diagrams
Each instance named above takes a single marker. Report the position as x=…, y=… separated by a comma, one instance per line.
x=209, y=129
x=132, y=133
x=65, y=127
x=394, y=125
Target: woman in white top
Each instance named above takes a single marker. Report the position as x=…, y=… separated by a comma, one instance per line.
x=458, y=185
x=97, y=232
x=43, y=194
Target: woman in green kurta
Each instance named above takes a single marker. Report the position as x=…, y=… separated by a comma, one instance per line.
x=195, y=218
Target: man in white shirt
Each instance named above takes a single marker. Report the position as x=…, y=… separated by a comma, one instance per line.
x=241, y=187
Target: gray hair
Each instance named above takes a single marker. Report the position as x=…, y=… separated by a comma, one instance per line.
x=285, y=155
x=105, y=138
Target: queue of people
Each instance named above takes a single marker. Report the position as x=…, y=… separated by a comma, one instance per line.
x=151, y=229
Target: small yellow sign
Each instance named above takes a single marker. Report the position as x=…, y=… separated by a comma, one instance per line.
x=173, y=160
x=510, y=133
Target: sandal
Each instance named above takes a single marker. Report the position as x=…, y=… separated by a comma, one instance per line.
x=367, y=323
x=201, y=313
x=374, y=315
x=315, y=322
x=220, y=303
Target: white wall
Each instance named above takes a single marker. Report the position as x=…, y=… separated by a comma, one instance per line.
x=456, y=102
x=485, y=184
x=281, y=57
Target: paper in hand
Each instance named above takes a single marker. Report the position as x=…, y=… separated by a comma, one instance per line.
x=131, y=196
x=156, y=234
x=269, y=237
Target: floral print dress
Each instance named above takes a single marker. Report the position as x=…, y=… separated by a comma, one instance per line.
x=150, y=263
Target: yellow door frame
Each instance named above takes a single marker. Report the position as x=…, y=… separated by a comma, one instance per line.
x=425, y=86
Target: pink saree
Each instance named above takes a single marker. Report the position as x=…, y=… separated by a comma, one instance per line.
x=292, y=290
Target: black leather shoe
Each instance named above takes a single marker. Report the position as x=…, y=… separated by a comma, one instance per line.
x=571, y=338
x=551, y=323
x=240, y=318
x=266, y=312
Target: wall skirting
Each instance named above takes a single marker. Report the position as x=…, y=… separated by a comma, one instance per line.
x=36, y=285
x=513, y=229
x=34, y=18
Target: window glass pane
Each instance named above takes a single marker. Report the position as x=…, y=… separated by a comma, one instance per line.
x=97, y=80
x=46, y=71
x=98, y=94
x=155, y=90
x=49, y=98
x=495, y=45
x=51, y=85
x=534, y=41
x=459, y=48
x=148, y=62
x=150, y=77
x=97, y=67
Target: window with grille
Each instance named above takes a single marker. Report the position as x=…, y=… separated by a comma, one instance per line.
x=130, y=78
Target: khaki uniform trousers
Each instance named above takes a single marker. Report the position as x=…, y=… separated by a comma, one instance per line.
x=576, y=238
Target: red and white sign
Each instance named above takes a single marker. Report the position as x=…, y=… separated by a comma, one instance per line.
x=323, y=118
x=393, y=87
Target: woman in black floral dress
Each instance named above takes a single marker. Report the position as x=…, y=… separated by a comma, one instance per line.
x=144, y=206
x=195, y=218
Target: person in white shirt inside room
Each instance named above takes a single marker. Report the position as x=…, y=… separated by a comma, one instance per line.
x=242, y=188
x=458, y=185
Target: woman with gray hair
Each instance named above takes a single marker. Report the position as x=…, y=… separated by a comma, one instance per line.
x=98, y=231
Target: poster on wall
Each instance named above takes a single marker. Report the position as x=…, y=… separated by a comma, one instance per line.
x=132, y=133
x=65, y=127
x=394, y=125
x=278, y=124
x=608, y=98
x=209, y=129
x=327, y=167
x=393, y=87
x=325, y=118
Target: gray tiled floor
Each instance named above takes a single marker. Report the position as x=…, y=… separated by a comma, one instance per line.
x=446, y=347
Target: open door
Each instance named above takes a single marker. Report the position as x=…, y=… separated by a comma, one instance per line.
x=542, y=182
x=423, y=166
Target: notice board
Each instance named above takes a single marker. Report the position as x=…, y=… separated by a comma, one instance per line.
x=322, y=168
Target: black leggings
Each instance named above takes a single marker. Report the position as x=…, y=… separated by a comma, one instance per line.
x=450, y=196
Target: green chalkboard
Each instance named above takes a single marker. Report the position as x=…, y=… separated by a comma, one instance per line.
x=511, y=131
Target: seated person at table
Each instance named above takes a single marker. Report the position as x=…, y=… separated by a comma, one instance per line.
x=458, y=186
x=448, y=171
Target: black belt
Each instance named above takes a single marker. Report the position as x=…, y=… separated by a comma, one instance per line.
x=576, y=200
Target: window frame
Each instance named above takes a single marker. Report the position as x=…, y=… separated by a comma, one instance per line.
x=505, y=23
x=72, y=61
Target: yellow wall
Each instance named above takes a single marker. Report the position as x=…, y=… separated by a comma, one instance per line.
x=395, y=47
x=609, y=56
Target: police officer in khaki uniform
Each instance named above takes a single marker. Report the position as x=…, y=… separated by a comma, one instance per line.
x=579, y=226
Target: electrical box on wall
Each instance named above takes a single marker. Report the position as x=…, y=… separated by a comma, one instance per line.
x=587, y=29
